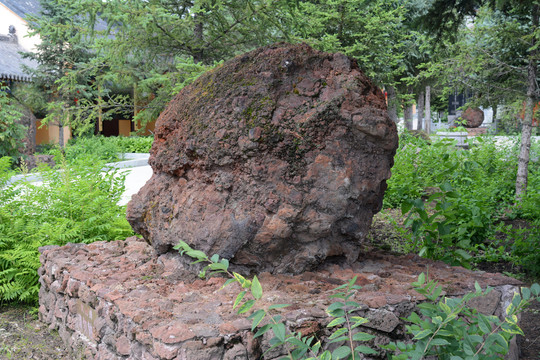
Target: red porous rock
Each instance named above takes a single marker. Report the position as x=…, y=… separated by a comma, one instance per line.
x=276, y=160
x=473, y=117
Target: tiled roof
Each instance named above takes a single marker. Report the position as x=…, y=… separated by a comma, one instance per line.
x=23, y=7
x=11, y=61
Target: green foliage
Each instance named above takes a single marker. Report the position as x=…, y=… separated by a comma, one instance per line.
x=76, y=203
x=11, y=132
x=107, y=149
x=95, y=147
x=454, y=197
x=63, y=48
x=449, y=329
x=372, y=32
x=524, y=247
x=132, y=144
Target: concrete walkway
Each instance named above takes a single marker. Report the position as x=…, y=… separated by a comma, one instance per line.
x=135, y=179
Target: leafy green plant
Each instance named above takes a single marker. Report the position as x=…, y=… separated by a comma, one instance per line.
x=77, y=203
x=132, y=144
x=94, y=147
x=434, y=229
x=450, y=329
x=525, y=246
x=455, y=196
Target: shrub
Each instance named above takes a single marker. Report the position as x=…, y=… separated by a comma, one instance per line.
x=94, y=147
x=77, y=203
x=133, y=144
x=454, y=197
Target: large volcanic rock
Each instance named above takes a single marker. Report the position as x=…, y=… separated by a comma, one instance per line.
x=472, y=117
x=277, y=160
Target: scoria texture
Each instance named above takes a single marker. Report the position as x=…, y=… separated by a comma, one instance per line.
x=276, y=160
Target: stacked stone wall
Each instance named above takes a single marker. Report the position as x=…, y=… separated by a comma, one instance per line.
x=120, y=300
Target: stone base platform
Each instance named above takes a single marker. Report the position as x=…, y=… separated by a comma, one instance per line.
x=118, y=300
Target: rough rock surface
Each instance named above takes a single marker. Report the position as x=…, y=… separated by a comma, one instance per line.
x=277, y=160
x=119, y=300
x=474, y=117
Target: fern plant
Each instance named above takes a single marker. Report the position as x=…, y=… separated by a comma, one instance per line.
x=75, y=203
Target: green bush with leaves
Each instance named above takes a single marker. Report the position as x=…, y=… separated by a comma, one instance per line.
x=133, y=144
x=95, y=147
x=103, y=148
x=454, y=197
x=448, y=328
x=75, y=203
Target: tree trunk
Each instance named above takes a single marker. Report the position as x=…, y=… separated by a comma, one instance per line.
x=135, y=106
x=392, y=103
x=408, y=117
x=525, y=148
x=420, y=110
x=494, y=120
x=61, y=135
x=198, y=35
x=100, y=111
x=428, y=109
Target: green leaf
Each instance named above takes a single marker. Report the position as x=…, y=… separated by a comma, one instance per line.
x=465, y=255
x=526, y=293
x=229, y=281
x=196, y=254
x=257, y=317
x=326, y=355
x=256, y=288
x=336, y=321
x=338, y=332
x=334, y=306
x=439, y=342
x=535, y=289
x=263, y=330
x=365, y=350
x=246, y=306
x=214, y=258
x=422, y=334
x=279, y=331
x=341, y=352
x=339, y=339
x=239, y=298
x=406, y=206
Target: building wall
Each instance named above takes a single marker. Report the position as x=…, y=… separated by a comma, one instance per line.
x=124, y=127
x=8, y=17
x=49, y=134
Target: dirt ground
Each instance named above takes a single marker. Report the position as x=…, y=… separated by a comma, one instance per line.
x=23, y=337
